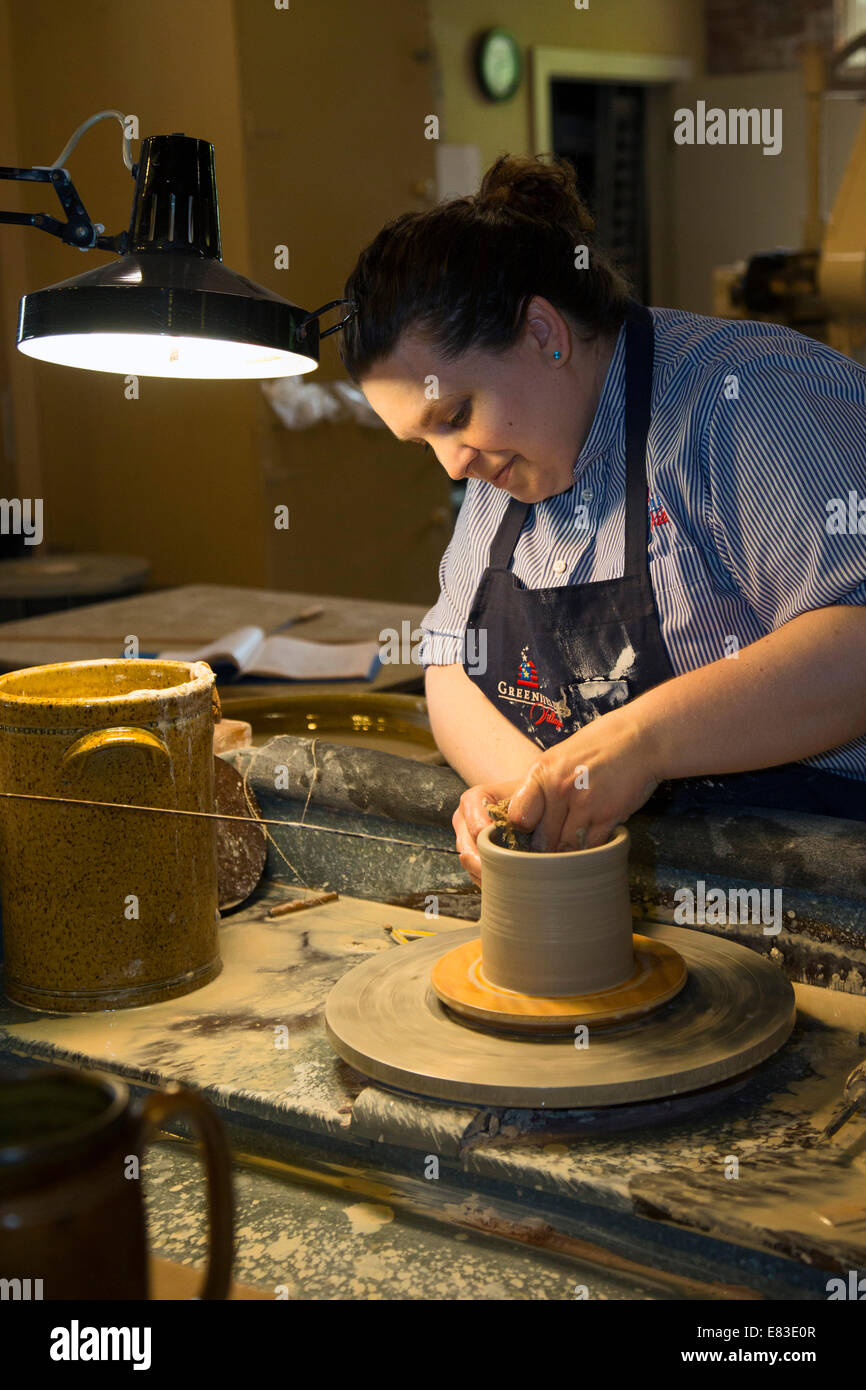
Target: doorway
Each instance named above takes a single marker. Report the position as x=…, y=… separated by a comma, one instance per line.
x=610, y=113
x=600, y=128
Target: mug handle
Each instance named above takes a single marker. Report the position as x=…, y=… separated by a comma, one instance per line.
x=176, y=1099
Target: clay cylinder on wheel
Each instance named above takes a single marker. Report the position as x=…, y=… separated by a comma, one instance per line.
x=555, y=924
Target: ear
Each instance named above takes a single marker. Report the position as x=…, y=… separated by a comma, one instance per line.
x=539, y=321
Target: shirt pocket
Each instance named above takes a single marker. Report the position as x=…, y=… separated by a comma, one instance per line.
x=683, y=570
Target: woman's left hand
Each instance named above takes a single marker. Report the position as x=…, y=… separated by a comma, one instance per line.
x=577, y=792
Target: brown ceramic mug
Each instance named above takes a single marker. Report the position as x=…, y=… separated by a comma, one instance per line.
x=71, y=1213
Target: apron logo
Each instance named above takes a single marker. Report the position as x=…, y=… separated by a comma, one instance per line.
x=657, y=513
x=527, y=674
x=540, y=715
x=541, y=709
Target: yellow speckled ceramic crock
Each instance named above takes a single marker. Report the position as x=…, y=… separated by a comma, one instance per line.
x=103, y=909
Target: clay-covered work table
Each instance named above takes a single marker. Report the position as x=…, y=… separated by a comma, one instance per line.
x=654, y=1191
x=194, y=614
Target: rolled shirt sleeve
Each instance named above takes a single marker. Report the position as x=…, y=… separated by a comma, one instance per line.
x=460, y=570
x=443, y=640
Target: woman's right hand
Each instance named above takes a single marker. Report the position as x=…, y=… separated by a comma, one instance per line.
x=471, y=817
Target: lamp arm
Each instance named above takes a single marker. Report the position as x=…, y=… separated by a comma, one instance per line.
x=78, y=230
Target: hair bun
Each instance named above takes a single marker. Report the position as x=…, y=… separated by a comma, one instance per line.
x=499, y=195
x=545, y=192
x=463, y=272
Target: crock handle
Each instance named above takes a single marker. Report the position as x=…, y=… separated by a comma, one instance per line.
x=77, y=755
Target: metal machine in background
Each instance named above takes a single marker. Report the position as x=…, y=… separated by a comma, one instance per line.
x=821, y=289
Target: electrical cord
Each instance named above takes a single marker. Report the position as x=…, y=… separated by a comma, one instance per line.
x=85, y=125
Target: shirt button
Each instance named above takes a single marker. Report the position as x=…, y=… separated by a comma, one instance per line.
x=559, y=567
x=587, y=495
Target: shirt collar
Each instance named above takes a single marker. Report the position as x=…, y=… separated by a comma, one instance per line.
x=608, y=421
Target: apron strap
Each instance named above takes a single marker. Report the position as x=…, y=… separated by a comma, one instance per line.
x=638, y=395
x=505, y=539
x=638, y=398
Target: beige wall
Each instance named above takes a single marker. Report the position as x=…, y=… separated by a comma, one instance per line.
x=669, y=28
x=316, y=115
x=731, y=201
x=334, y=109
x=172, y=476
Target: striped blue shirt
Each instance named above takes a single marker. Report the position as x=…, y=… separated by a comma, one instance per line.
x=756, y=466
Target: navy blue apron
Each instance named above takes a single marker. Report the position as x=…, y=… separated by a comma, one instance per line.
x=558, y=658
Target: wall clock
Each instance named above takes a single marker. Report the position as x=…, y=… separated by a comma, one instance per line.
x=498, y=64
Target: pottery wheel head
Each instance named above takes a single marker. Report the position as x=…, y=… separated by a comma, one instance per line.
x=459, y=982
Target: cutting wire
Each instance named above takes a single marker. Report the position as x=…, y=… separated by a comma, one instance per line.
x=223, y=815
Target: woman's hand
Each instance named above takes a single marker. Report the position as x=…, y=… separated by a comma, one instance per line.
x=577, y=792
x=762, y=710
x=471, y=817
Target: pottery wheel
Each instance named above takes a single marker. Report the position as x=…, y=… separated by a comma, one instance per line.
x=458, y=979
x=735, y=1010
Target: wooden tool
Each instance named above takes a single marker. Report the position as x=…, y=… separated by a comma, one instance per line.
x=298, y=904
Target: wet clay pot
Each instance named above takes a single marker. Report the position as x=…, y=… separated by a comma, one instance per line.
x=555, y=925
x=106, y=908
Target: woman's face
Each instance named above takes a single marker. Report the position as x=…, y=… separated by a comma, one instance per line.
x=517, y=419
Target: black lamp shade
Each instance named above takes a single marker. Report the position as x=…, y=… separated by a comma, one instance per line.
x=170, y=307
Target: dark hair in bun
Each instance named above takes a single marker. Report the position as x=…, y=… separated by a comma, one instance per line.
x=463, y=272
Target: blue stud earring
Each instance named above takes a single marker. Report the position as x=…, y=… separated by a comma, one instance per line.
x=556, y=356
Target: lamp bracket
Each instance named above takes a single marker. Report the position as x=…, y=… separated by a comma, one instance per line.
x=324, y=308
x=78, y=230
